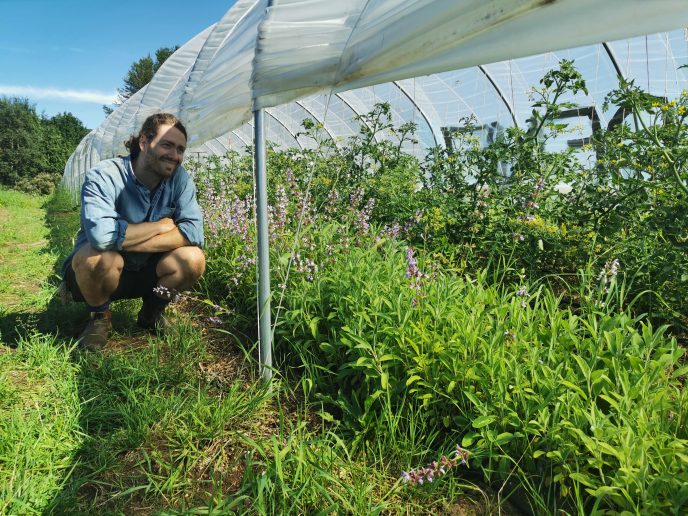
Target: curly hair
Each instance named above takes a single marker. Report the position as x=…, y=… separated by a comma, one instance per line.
x=150, y=129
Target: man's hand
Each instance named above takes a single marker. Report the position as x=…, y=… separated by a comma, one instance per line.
x=165, y=225
x=139, y=233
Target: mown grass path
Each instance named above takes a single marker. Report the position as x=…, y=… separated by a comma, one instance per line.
x=25, y=263
x=82, y=433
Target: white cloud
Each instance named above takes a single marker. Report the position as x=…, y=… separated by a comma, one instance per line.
x=94, y=97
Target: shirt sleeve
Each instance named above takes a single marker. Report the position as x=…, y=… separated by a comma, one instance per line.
x=104, y=228
x=188, y=216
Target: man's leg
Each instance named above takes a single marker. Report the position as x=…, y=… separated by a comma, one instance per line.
x=178, y=269
x=181, y=268
x=97, y=275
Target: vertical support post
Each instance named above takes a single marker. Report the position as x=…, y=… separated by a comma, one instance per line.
x=260, y=178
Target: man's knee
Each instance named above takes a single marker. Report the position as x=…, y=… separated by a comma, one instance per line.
x=94, y=263
x=189, y=261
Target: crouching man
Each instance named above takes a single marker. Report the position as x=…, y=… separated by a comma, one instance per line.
x=141, y=231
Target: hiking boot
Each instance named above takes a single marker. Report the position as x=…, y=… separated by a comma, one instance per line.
x=152, y=317
x=95, y=335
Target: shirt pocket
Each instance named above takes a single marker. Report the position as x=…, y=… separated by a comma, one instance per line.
x=167, y=211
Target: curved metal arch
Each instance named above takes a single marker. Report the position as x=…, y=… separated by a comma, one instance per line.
x=615, y=63
x=442, y=80
x=499, y=91
x=377, y=98
x=280, y=122
x=213, y=145
x=233, y=131
x=420, y=110
x=348, y=104
x=612, y=58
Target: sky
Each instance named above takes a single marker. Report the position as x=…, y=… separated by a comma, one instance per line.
x=72, y=55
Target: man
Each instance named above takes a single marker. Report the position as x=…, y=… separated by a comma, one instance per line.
x=141, y=231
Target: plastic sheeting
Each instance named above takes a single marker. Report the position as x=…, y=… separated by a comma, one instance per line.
x=434, y=61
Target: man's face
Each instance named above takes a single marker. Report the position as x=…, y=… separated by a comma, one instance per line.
x=164, y=153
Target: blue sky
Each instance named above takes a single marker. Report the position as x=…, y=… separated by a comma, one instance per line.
x=72, y=55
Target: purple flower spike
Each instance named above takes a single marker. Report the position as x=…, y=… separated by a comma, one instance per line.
x=435, y=469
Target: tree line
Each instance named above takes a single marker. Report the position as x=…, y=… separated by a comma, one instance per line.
x=34, y=149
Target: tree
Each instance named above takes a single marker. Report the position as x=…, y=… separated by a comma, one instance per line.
x=61, y=135
x=140, y=73
x=20, y=134
x=70, y=127
x=33, y=149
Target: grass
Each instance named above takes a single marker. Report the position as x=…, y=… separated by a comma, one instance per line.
x=173, y=425
x=25, y=260
x=39, y=431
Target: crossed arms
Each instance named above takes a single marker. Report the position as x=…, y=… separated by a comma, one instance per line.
x=153, y=237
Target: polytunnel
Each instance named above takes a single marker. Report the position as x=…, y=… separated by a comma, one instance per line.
x=435, y=62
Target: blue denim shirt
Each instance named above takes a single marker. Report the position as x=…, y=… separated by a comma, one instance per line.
x=112, y=198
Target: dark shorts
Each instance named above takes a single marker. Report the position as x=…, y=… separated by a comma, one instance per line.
x=132, y=284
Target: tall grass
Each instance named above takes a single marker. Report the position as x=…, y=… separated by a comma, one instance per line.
x=39, y=423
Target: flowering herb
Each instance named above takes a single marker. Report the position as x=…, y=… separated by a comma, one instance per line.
x=168, y=294
x=609, y=272
x=436, y=469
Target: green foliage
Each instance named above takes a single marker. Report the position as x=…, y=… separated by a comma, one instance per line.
x=33, y=149
x=20, y=141
x=590, y=403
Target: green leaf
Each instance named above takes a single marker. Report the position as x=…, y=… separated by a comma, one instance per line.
x=603, y=491
x=469, y=439
x=412, y=379
x=472, y=397
x=313, y=323
x=574, y=388
x=584, y=367
x=582, y=478
x=283, y=260
x=483, y=421
x=554, y=453
x=503, y=438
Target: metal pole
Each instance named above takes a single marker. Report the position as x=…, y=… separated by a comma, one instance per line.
x=264, y=319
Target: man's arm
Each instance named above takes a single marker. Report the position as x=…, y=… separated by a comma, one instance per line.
x=137, y=234
x=160, y=243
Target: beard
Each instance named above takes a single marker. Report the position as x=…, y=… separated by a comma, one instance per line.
x=160, y=166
